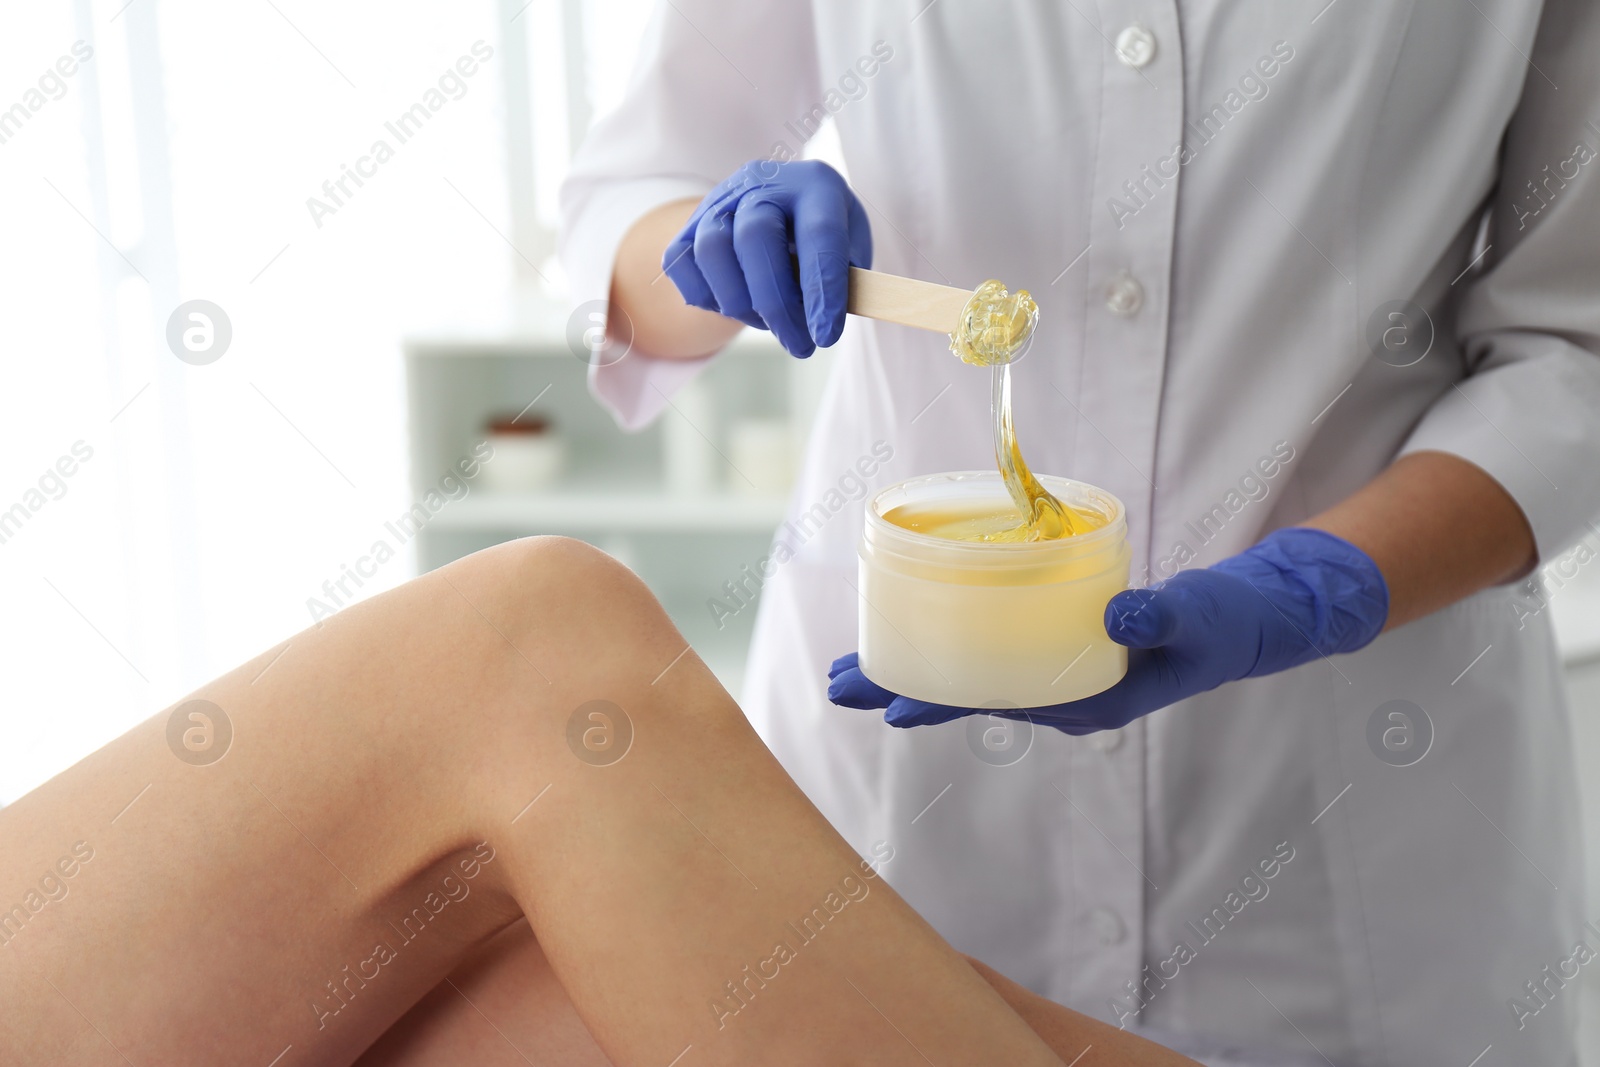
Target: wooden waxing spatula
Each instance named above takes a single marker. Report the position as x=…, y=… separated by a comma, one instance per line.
x=906, y=301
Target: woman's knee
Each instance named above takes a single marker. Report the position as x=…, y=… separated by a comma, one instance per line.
x=578, y=617
x=581, y=655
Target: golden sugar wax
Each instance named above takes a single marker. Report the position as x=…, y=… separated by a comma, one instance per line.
x=995, y=328
x=995, y=325
x=956, y=608
x=980, y=521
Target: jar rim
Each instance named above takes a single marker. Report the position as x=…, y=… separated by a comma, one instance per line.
x=1072, y=492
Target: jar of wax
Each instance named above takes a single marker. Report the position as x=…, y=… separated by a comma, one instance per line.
x=988, y=623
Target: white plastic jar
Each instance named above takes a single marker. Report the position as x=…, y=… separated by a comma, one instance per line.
x=976, y=624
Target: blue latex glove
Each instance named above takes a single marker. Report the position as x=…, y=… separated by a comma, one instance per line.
x=737, y=255
x=1299, y=595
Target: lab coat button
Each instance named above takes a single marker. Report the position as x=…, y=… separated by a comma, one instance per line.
x=1107, y=926
x=1106, y=741
x=1136, y=46
x=1124, y=295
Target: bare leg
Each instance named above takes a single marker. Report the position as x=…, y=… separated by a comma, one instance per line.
x=503, y=1008
x=1072, y=1034
x=400, y=788
x=506, y=1008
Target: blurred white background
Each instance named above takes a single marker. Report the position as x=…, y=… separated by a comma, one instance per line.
x=176, y=164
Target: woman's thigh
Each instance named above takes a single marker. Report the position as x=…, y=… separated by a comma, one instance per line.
x=404, y=782
x=504, y=1007
x=278, y=866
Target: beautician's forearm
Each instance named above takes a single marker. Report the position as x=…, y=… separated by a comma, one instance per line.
x=663, y=325
x=1438, y=527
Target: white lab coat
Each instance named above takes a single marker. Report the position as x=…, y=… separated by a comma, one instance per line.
x=1204, y=321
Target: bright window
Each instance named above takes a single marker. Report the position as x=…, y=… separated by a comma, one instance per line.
x=230, y=153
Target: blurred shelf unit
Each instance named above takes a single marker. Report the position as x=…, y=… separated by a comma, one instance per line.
x=625, y=511
x=686, y=502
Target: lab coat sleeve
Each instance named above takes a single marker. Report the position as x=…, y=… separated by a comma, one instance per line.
x=716, y=84
x=1529, y=411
